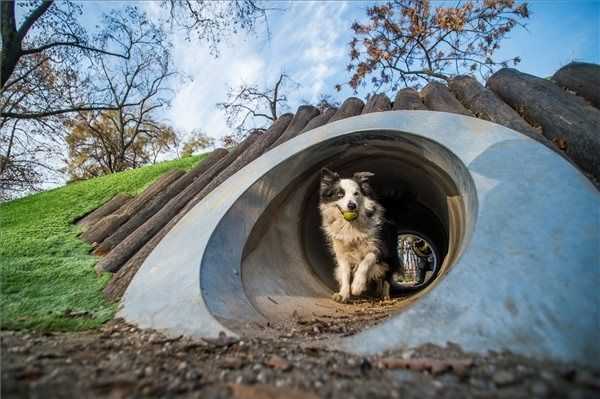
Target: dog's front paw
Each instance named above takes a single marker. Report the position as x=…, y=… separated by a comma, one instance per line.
x=338, y=297
x=385, y=291
x=359, y=285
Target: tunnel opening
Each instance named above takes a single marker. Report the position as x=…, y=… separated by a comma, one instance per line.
x=285, y=267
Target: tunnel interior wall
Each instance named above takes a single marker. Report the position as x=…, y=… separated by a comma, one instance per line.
x=284, y=264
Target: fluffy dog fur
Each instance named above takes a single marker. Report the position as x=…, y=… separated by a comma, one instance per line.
x=355, y=244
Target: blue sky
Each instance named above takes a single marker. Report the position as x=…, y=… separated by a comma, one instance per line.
x=558, y=33
x=309, y=42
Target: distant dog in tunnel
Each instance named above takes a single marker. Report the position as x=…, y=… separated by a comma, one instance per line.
x=353, y=222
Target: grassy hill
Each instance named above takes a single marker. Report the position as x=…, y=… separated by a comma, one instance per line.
x=47, y=277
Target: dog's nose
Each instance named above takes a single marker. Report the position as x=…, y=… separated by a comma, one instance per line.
x=351, y=206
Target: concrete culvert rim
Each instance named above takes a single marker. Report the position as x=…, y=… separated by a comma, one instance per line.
x=502, y=292
x=285, y=267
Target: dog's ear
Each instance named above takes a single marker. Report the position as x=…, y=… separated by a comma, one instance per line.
x=328, y=176
x=327, y=186
x=362, y=177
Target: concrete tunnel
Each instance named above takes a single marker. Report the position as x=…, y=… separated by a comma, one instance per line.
x=516, y=227
x=285, y=264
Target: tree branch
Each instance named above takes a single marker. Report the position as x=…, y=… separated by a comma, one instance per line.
x=32, y=18
x=78, y=45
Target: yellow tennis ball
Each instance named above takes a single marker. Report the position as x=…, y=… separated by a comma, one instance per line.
x=350, y=216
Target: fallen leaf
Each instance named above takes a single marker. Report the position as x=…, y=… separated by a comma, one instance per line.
x=277, y=362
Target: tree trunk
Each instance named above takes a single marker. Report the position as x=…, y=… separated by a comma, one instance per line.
x=565, y=118
x=12, y=39
x=11, y=44
x=408, y=99
x=351, y=107
x=377, y=103
x=155, y=205
x=320, y=120
x=304, y=114
x=107, y=225
x=582, y=78
x=437, y=97
x=109, y=207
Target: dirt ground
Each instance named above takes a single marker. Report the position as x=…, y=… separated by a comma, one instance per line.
x=122, y=361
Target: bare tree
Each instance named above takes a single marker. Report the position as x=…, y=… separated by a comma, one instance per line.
x=250, y=107
x=57, y=72
x=124, y=137
x=197, y=140
x=50, y=34
x=162, y=142
x=212, y=21
x=51, y=66
x=104, y=145
x=325, y=101
x=45, y=61
x=20, y=166
x=409, y=42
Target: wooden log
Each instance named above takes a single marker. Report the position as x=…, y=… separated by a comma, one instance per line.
x=109, y=224
x=351, y=107
x=106, y=209
x=214, y=160
x=120, y=280
x=304, y=114
x=582, y=78
x=118, y=284
x=437, y=97
x=377, y=103
x=198, y=190
x=155, y=188
x=409, y=99
x=566, y=119
x=486, y=105
x=320, y=120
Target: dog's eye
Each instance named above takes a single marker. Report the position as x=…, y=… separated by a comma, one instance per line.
x=356, y=193
x=340, y=194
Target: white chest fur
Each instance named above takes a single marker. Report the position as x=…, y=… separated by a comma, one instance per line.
x=350, y=240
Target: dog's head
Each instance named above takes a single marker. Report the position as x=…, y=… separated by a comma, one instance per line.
x=348, y=195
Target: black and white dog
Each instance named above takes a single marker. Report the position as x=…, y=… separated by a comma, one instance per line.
x=352, y=221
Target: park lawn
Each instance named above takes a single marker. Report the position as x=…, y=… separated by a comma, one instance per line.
x=47, y=277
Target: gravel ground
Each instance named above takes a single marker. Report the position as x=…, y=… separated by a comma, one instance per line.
x=122, y=361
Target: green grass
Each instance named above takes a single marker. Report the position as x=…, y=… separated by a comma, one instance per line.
x=46, y=272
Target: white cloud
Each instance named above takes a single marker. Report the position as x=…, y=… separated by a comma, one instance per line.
x=312, y=53
x=318, y=45
x=207, y=82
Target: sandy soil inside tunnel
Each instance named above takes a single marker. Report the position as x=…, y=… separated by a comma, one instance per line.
x=335, y=321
